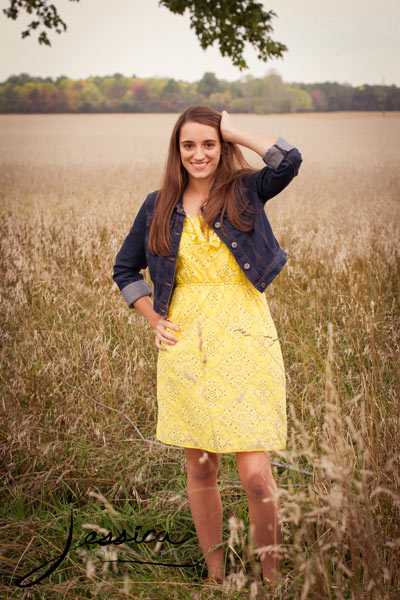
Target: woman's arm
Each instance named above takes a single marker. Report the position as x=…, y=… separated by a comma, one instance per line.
x=131, y=259
x=145, y=306
x=254, y=141
x=282, y=159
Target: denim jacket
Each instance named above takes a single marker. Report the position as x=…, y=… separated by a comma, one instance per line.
x=257, y=252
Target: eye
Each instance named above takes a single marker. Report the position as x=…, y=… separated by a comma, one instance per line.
x=187, y=146
x=210, y=144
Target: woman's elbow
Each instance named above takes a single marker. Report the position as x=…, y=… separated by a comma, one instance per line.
x=295, y=159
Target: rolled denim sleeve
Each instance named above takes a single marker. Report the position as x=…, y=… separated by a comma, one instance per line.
x=131, y=259
x=283, y=161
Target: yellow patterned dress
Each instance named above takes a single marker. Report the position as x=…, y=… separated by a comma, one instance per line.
x=221, y=387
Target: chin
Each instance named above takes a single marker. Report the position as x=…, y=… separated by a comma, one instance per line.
x=201, y=175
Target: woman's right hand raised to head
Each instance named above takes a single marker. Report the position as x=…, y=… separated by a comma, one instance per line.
x=226, y=127
x=254, y=141
x=162, y=335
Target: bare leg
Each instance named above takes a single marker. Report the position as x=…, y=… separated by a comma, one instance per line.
x=256, y=475
x=206, y=505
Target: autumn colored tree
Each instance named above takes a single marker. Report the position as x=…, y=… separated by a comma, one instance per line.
x=208, y=84
x=117, y=93
x=171, y=95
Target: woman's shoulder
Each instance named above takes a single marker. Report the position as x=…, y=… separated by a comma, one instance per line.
x=151, y=200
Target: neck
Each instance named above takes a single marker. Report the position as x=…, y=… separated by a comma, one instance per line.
x=199, y=187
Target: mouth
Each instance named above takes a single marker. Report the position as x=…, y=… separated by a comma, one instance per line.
x=199, y=166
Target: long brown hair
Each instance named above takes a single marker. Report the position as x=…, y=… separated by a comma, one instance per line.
x=226, y=195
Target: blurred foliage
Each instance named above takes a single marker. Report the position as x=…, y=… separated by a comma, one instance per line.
x=46, y=15
x=231, y=23
x=117, y=93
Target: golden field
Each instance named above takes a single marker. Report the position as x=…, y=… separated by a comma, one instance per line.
x=78, y=371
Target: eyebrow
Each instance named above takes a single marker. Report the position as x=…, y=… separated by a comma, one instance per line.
x=191, y=141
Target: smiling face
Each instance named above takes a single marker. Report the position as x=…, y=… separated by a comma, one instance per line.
x=200, y=150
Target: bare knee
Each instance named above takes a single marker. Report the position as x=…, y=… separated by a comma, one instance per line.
x=258, y=482
x=256, y=475
x=202, y=465
x=255, y=485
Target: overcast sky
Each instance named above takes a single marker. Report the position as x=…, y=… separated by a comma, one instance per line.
x=348, y=41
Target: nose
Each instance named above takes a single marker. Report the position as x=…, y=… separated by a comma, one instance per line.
x=199, y=153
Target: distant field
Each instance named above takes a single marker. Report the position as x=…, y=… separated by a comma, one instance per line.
x=104, y=165
x=70, y=186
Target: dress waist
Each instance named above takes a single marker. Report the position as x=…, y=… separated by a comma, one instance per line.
x=210, y=283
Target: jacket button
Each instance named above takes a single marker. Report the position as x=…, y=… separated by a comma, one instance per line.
x=263, y=284
x=246, y=266
x=217, y=224
x=234, y=245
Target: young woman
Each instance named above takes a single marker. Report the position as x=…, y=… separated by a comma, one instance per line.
x=211, y=254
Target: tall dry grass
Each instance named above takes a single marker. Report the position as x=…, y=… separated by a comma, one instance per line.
x=79, y=370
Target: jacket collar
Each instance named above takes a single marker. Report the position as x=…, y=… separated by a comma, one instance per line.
x=179, y=205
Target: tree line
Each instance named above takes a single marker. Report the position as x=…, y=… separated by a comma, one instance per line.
x=117, y=93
